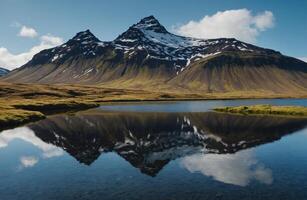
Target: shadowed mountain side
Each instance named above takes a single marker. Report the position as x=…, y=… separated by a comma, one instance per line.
x=241, y=72
x=221, y=73
x=150, y=140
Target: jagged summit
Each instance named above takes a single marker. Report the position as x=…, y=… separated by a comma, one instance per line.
x=150, y=38
x=83, y=44
x=85, y=36
x=150, y=23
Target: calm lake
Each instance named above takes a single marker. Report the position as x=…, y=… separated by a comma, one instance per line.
x=168, y=150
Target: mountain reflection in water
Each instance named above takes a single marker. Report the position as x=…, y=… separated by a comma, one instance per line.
x=206, y=142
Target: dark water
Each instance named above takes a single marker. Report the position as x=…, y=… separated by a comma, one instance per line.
x=180, y=151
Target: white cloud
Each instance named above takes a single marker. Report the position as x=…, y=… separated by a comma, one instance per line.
x=303, y=59
x=27, y=32
x=240, y=24
x=49, y=39
x=28, y=161
x=237, y=169
x=11, y=61
x=264, y=20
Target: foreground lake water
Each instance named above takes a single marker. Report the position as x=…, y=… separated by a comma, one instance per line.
x=177, y=150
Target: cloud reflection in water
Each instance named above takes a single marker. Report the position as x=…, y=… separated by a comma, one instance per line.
x=27, y=135
x=238, y=169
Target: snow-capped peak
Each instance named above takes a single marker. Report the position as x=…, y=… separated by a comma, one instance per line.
x=150, y=23
x=85, y=36
x=151, y=40
x=150, y=36
x=83, y=44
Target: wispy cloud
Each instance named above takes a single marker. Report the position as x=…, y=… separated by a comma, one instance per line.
x=241, y=24
x=15, y=24
x=11, y=61
x=27, y=32
x=28, y=161
x=52, y=40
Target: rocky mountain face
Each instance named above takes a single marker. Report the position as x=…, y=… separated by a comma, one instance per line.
x=148, y=55
x=149, y=141
x=3, y=71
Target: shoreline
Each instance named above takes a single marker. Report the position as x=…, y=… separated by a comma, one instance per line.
x=14, y=117
x=24, y=103
x=265, y=110
x=19, y=115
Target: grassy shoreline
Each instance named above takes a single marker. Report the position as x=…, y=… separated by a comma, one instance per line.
x=293, y=111
x=16, y=115
x=23, y=103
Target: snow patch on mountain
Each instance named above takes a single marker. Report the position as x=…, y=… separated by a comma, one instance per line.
x=150, y=39
x=150, y=36
x=3, y=71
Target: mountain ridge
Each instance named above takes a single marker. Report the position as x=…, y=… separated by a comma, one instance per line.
x=148, y=55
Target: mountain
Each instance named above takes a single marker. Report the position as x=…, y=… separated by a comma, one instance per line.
x=149, y=141
x=3, y=71
x=149, y=56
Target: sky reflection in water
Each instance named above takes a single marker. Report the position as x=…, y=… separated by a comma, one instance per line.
x=145, y=152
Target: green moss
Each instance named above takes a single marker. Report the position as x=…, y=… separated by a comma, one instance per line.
x=22, y=112
x=266, y=110
x=56, y=106
x=15, y=117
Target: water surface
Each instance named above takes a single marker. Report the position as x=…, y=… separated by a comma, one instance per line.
x=177, y=151
x=198, y=106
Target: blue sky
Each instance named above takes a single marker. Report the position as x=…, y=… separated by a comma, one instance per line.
x=107, y=19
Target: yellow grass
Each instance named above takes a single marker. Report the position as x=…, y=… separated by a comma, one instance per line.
x=266, y=110
x=21, y=103
x=12, y=117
